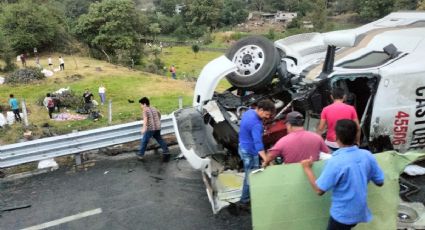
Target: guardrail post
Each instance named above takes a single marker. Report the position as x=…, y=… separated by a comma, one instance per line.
x=180, y=102
x=24, y=111
x=110, y=112
x=77, y=159
x=77, y=156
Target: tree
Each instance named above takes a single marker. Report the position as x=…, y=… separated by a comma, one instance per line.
x=374, y=9
x=340, y=7
x=27, y=25
x=202, y=13
x=258, y=4
x=233, y=13
x=168, y=24
x=154, y=29
x=304, y=7
x=318, y=14
x=106, y=28
x=76, y=8
x=421, y=5
x=7, y=54
x=167, y=7
x=195, y=49
x=405, y=5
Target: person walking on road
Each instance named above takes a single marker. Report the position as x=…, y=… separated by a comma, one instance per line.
x=347, y=173
x=14, y=106
x=251, y=142
x=49, y=104
x=299, y=144
x=151, y=128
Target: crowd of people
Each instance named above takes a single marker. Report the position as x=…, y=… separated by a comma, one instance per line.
x=347, y=171
x=23, y=59
x=52, y=103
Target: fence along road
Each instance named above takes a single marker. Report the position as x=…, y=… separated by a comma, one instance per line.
x=45, y=148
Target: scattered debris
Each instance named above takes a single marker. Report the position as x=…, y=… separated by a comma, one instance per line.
x=157, y=178
x=62, y=90
x=47, y=73
x=414, y=170
x=69, y=117
x=74, y=77
x=3, y=120
x=48, y=163
x=14, y=207
x=28, y=135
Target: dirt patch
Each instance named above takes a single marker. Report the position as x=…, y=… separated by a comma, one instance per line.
x=74, y=77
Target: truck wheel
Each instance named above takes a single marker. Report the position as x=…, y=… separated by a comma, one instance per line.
x=256, y=59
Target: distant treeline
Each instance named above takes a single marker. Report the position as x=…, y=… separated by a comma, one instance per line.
x=113, y=29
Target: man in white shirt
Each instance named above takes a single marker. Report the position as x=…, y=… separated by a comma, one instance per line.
x=102, y=91
x=62, y=63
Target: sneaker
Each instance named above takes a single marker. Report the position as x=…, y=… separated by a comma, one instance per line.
x=166, y=157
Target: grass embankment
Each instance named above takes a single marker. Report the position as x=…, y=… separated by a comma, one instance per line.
x=121, y=83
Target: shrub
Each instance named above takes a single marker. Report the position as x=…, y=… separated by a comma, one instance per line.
x=70, y=99
x=238, y=35
x=67, y=99
x=157, y=66
x=271, y=34
x=24, y=76
x=3, y=107
x=208, y=38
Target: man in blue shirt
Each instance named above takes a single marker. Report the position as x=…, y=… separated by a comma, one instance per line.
x=347, y=174
x=14, y=105
x=251, y=141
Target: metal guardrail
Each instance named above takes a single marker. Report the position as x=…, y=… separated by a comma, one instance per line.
x=45, y=148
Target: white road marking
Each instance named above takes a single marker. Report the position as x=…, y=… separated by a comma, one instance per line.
x=65, y=219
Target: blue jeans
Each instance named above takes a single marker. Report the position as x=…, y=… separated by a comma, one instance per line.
x=147, y=136
x=102, y=98
x=250, y=163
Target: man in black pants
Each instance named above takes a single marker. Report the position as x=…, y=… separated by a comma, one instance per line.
x=49, y=104
x=88, y=97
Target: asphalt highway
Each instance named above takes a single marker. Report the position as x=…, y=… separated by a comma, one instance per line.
x=115, y=193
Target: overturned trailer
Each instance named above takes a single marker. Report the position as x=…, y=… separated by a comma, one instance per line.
x=381, y=67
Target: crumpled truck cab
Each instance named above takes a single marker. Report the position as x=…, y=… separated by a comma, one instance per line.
x=379, y=65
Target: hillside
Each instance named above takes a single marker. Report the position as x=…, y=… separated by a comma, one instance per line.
x=122, y=85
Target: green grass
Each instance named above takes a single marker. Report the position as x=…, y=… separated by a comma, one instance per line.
x=121, y=84
x=186, y=62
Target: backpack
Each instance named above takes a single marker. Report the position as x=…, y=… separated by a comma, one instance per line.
x=50, y=103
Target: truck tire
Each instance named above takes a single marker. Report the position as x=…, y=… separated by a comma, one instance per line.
x=256, y=59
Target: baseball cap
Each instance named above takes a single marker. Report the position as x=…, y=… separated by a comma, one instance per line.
x=294, y=118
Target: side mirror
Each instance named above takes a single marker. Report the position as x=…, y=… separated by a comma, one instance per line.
x=340, y=39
